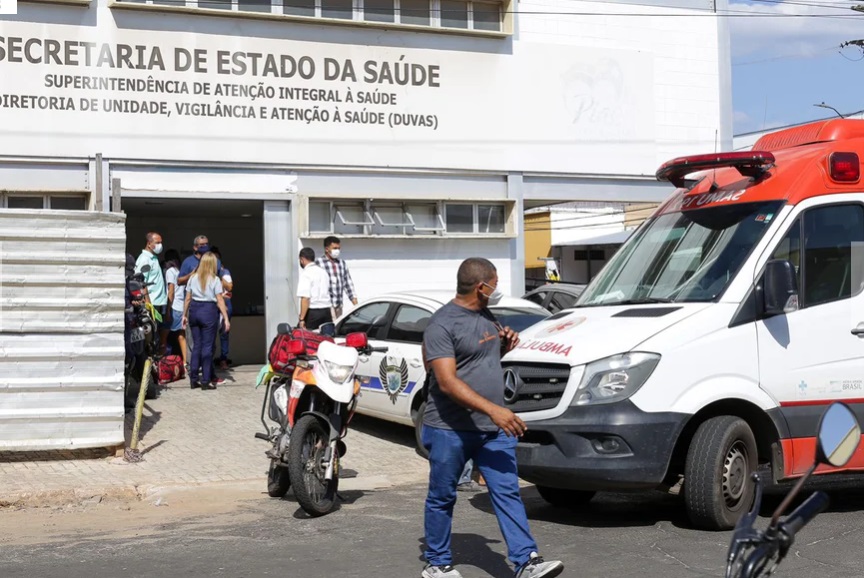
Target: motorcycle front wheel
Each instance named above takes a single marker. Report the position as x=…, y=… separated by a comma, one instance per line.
x=306, y=451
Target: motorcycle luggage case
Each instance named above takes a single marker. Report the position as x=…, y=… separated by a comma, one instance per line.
x=279, y=357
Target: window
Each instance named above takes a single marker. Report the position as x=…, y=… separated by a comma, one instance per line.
x=320, y=220
x=406, y=218
x=460, y=218
x=684, y=256
x=415, y=12
x=447, y=14
x=537, y=298
x=409, y=324
x=379, y=10
x=561, y=300
x=343, y=9
x=370, y=319
x=829, y=234
x=519, y=319
x=487, y=16
x=255, y=5
x=25, y=203
x=454, y=14
x=41, y=201
x=78, y=203
x=491, y=218
x=298, y=7
x=582, y=255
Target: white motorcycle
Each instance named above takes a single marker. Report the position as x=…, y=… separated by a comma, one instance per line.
x=312, y=394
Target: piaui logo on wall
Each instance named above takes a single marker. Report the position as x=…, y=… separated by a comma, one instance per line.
x=8, y=6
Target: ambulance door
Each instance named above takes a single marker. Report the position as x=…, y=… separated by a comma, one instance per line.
x=815, y=355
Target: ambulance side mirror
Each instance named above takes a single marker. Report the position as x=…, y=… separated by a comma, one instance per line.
x=779, y=288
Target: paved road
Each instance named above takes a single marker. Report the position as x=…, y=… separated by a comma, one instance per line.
x=379, y=534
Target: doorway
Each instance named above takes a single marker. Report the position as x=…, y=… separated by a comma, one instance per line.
x=234, y=226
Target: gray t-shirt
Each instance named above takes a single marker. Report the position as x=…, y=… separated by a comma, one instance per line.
x=471, y=338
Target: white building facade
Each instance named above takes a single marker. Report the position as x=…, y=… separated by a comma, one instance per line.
x=416, y=131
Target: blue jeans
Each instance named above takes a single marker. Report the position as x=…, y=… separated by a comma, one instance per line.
x=204, y=320
x=495, y=454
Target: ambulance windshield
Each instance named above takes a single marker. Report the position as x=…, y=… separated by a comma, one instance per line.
x=682, y=256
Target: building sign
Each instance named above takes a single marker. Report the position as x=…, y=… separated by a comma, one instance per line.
x=79, y=90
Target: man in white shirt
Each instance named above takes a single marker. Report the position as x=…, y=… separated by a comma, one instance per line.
x=314, y=292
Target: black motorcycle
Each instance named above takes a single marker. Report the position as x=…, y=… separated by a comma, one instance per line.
x=141, y=337
x=756, y=552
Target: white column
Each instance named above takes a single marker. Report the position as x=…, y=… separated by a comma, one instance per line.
x=280, y=283
x=517, y=245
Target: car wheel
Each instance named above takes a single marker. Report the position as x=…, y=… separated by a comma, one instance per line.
x=720, y=460
x=418, y=431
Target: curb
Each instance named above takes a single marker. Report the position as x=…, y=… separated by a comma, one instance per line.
x=138, y=493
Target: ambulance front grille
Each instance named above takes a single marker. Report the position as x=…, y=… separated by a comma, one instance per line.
x=540, y=385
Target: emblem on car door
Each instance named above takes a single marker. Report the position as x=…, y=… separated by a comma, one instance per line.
x=512, y=384
x=394, y=378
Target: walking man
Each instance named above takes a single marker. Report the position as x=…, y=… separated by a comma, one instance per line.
x=466, y=419
x=340, y=278
x=314, y=292
x=154, y=288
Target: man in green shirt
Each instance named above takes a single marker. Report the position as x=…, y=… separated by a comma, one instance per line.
x=155, y=290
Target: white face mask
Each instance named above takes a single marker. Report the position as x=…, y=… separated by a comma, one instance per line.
x=495, y=297
x=335, y=253
x=158, y=248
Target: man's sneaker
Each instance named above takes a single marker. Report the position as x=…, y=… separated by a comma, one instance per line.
x=440, y=572
x=537, y=567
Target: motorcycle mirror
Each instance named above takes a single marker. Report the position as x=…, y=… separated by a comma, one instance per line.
x=839, y=436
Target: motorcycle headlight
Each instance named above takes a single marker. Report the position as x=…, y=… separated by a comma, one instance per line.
x=338, y=373
x=614, y=378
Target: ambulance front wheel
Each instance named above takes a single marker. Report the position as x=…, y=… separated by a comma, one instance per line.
x=720, y=460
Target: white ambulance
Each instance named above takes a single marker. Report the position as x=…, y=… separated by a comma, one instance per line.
x=710, y=344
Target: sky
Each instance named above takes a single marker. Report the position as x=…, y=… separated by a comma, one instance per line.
x=782, y=65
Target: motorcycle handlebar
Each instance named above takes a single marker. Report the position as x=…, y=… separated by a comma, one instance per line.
x=803, y=514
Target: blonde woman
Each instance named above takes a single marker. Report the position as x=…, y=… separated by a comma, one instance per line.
x=204, y=303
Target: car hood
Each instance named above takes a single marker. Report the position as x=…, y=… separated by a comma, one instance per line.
x=586, y=334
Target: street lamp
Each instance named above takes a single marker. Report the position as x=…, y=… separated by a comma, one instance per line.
x=823, y=105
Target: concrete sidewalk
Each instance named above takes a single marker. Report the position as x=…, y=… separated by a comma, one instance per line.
x=191, y=437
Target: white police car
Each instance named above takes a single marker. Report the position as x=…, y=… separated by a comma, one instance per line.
x=392, y=382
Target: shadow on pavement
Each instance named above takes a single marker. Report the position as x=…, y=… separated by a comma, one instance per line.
x=604, y=511
x=474, y=550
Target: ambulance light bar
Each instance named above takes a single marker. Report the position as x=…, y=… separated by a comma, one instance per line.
x=748, y=163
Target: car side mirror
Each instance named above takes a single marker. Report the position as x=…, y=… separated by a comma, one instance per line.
x=779, y=288
x=328, y=329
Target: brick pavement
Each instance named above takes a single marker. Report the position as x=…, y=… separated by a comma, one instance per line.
x=197, y=437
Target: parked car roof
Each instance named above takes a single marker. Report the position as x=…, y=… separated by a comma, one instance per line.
x=437, y=298
x=572, y=288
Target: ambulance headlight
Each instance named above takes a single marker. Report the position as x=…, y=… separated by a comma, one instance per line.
x=615, y=378
x=338, y=373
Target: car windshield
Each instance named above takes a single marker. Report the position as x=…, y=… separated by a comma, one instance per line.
x=682, y=256
x=519, y=319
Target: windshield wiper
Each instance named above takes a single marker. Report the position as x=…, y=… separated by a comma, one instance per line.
x=641, y=301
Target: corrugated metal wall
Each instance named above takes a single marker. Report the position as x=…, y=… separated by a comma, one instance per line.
x=61, y=329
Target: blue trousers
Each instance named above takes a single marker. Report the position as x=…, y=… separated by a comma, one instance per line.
x=494, y=453
x=223, y=335
x=204, y=321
